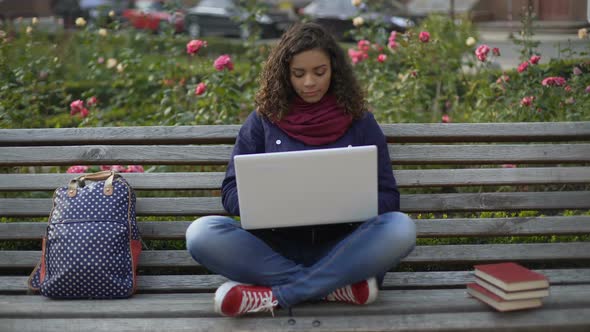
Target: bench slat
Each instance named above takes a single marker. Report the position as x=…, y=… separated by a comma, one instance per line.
x=200, y=305
x=438, y=253
x=407, y=132
x=139, y=181
x=540, y=320
x=480, y=227
x=489, y=154
x=393, y=280
x=487, y=132
x=120, y=135
x=194, y=206
x=404, y=178
x=220, y=154
x=469, y=253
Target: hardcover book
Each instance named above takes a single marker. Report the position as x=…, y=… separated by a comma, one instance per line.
x=497, y=302
x=511, y=276
x=518, y=295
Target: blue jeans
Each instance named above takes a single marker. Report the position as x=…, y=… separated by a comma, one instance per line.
x=300, y=273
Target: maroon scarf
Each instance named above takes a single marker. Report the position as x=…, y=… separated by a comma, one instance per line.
x=316, y=123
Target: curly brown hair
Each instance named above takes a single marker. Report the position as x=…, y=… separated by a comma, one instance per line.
x=276, y=92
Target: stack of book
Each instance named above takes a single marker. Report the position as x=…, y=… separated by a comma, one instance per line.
x=508, y=286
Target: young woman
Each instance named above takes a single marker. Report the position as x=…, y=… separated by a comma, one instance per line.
x=308, y=99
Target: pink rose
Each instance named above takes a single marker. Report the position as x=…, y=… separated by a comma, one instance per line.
x=503, y=78
x=382, y=57
x=116, y=168
x=200, y=89
x=523, y=66
x=393, y=35
x=391, y=41
x=587, y=89
x=357, y=56
x=553, y=81
x=534, y=59
x=223, y=62
x=194, y=46
x=364, y=45
x=568, y=88
x=577, y=71
x=482, y=49
x=496, y=51
x=92, y=101
x=76, y=106
x=527, y=101
x=482, y=52
x=424, y=36
x=100, y=60
x=446, y=118
x=378, y=47
x=134, y=169
x=84, y=113
x=77, y=169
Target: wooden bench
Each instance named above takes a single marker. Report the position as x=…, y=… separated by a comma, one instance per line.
x=460, y=164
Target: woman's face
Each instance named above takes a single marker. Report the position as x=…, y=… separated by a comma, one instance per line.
x=310, y=73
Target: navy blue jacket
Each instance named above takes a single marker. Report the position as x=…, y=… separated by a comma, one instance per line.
x=258, y=135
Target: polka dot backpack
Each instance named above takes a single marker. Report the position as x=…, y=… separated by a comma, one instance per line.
x=92, y=245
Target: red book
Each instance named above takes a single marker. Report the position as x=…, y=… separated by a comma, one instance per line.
x=518, y=295
x=511, y=276
x=499, y=303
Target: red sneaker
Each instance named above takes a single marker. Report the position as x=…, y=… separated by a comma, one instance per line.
x=235, y=299
x=362, y=292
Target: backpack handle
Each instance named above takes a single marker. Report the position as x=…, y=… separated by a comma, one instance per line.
x=99, y=176
x=79, y=182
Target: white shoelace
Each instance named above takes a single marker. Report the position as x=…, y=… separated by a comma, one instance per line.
x=343, y=294
x=257, y=302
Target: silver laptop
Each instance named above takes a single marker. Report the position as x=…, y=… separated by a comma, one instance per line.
x=302, y=188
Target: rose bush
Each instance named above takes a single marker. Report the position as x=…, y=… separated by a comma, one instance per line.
x=438, y=71
x=443, y=73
